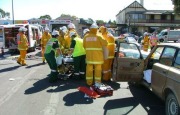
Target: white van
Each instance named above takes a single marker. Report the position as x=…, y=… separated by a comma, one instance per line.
x=9, y=36
x=169, y=35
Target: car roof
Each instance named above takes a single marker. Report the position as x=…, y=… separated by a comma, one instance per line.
x=170, y=44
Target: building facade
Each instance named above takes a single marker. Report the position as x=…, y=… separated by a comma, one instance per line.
x=137, y=19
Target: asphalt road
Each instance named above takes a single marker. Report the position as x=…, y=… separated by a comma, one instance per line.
x=25, y=90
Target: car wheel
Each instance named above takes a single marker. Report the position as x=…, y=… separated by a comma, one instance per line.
x=161, y=40
x=172, y=106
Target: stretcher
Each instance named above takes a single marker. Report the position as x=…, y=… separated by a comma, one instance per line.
x=66, y=69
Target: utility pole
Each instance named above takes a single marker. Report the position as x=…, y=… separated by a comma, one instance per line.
x=13, y=11
x=129, y=23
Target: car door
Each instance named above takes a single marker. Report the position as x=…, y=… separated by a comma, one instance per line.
x=173, y=77
x=128, y=63
x=160, y=70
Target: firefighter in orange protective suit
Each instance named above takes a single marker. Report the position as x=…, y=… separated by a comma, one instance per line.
x=93, y=44
x=106, y=67
x=22, y=45
x=146, y=42
x=45, y=38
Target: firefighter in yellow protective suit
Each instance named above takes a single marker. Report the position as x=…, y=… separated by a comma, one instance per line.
x=61, y=38
x=45, y=38
x=85, y=32
x=22, y=46
x=71, y=28
x=106, y=67
x=146, y=42
x=93, y=44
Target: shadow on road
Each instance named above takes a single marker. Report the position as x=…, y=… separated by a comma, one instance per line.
x=38, y=86
x=78, y=98
x=9, y=69
x=63, y=85
x=142, y=98
x=35, y=65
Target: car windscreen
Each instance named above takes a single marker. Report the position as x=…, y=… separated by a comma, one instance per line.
x=127, y=50
x=131, y=39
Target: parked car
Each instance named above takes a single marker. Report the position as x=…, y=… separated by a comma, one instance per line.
x=163, y=67
x=132, y=40
x=131, y=35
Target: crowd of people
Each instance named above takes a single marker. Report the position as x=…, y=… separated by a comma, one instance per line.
x=92, y=54
x=90, y=61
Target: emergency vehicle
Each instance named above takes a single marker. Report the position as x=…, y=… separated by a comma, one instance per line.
x=8, y=36
x=56, y=24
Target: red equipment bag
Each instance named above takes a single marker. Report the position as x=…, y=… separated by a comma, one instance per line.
x=89, y=92
x=103, y=89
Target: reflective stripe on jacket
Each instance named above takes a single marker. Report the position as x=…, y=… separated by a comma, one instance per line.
x=49, y=45
x=93, y=44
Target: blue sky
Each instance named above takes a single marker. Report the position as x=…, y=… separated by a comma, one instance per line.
x=95, y=9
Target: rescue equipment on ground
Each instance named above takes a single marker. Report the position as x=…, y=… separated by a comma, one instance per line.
x=91, y=93
x=102, y=89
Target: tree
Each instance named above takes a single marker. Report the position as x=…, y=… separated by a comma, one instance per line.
x=4, y=14
x=176, y=6
x=90, y=20
x=45, y=17
x=100, y=22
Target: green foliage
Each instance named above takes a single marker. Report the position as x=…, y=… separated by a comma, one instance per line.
x=4, y=14
x=100, y=22
x=176, y=6
x=45, y=17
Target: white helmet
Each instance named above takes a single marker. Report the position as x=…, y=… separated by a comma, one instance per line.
x=94, y=25
x=46, y=29
x=85, y=31
x=72, y=33
x=145, y=33
x=55, y=32
x=64, y=29
x=71, y=25
x=22, y=29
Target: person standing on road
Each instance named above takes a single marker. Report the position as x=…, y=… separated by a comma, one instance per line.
x=153, y=40
x=85, y=32
x=146, y=42
x=71, y=28
x=79, y=55
x=106, y=67
x=61, y=38
x=52, y=49
x=22, y=45
x=93, y=45
x=45, y=38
